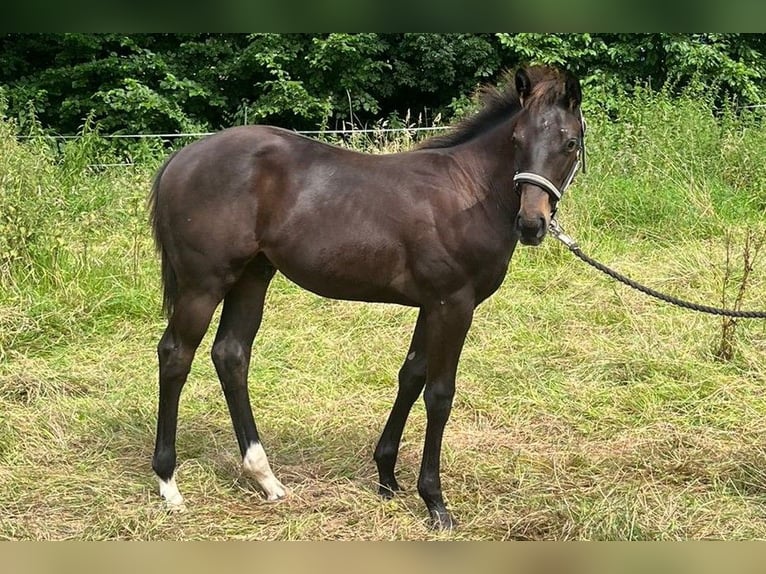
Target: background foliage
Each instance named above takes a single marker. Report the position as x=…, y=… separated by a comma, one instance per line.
x=138, y=83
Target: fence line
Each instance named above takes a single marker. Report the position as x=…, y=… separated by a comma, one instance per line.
x=303, y=132
x=344, y=131
x=203, y=134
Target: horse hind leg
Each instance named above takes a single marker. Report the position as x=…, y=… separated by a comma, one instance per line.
x=240, y=320
x=186, y=327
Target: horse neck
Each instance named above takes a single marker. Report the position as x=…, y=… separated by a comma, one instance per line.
x=488, y=158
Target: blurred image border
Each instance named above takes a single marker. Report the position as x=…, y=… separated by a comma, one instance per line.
x=442, y=557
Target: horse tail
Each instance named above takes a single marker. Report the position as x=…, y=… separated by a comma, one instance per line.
x=169, y=280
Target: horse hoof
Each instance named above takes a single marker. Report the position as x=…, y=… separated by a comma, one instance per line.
x=170, y=494
x=274, y=491
x=388, y=491
x=277, y=496
x=174, y=504
x=442, y=520
x=175, y=507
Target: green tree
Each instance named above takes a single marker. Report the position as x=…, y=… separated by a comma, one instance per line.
x=130, y=83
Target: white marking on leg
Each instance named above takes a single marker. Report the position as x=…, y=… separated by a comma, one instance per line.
x=257, y=465
x=169, y=491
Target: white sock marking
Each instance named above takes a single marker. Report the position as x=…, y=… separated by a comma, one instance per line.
x=257, y=465
x=169, y=491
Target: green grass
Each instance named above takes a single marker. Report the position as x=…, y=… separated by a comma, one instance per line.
x=584, y=410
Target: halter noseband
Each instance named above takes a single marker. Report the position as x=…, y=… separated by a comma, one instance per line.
x=546, y=184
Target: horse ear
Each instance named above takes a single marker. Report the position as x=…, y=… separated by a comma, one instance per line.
x=523, y=84
x=573, y=92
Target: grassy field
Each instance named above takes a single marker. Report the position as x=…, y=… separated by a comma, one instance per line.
x=584, y=410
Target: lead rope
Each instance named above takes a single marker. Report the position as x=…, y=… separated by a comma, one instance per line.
x=571, y=244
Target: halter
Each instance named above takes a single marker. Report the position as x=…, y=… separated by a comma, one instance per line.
x=546, y=184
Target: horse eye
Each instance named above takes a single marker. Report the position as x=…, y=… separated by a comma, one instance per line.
x=572, y=145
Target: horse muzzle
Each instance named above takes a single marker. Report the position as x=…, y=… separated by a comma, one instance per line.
x=538, y=197
x=531, y=229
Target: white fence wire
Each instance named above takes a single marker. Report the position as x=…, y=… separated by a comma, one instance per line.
x=344, y=131
x=349, y=131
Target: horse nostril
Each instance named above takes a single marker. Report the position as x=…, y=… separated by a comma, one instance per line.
x=530, y=225
x=530, y=230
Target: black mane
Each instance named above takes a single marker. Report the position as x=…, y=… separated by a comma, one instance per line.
x=498, y=104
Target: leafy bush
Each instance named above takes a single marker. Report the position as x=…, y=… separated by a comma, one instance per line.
x=161, y=83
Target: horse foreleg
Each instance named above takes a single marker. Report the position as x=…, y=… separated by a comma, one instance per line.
x=412, y=377
x=447, y=324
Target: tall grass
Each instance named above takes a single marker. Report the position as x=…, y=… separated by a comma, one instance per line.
x=584, y=410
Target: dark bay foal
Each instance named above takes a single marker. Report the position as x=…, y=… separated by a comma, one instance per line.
x=433, y=228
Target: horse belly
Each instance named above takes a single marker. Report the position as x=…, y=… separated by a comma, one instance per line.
x=360, y=270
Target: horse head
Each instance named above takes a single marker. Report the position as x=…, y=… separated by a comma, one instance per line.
x=548, y=139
